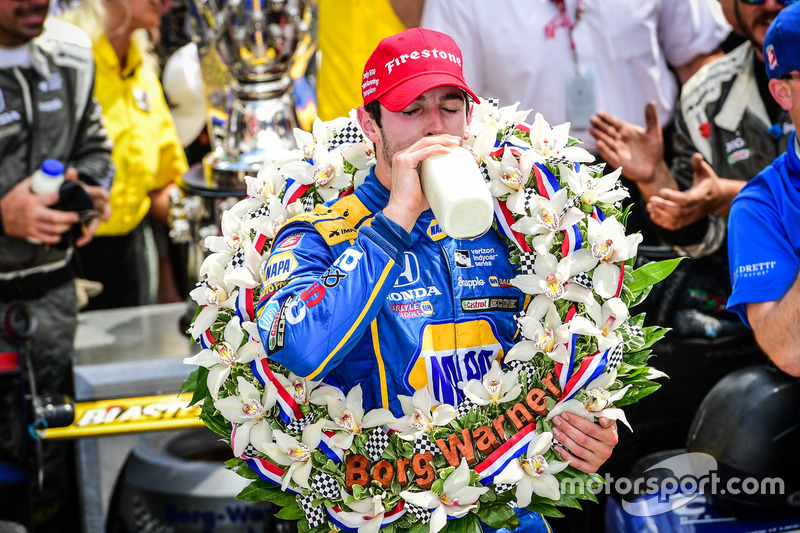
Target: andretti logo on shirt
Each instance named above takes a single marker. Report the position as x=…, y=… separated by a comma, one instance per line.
x=476, y=305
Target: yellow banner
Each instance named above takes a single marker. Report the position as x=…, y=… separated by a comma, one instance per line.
x=128, y=415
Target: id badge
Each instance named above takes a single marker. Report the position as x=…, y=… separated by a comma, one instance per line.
x=580, y=100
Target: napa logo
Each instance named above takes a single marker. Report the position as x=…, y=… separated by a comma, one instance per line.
x=426, y=307
x=496, y=282
x=279, y=267
x=435, y=231
x=450, y=355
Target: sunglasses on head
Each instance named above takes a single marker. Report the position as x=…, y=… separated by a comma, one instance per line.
x=759, y=2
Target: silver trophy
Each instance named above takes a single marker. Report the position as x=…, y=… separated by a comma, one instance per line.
x=247, y=49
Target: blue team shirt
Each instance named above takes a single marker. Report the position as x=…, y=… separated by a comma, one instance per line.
x=763, y=241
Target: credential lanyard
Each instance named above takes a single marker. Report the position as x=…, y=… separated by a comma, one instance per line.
x=563, y=20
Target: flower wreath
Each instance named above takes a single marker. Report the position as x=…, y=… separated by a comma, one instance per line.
x=313, y=451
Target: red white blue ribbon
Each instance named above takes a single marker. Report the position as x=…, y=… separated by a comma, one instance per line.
x=289, y=408
x=244, y=305
x=502, y=456
x=546, y=182
x=337, y=518
x=207, y=340
x=294, y=191
x=504, y=221
x=573, y=240
x=590, y=368
x=334, y=453
x=268, y=471
x=565, y=371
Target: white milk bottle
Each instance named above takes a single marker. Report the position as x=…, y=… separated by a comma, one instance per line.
x=459, y=197
x=48, y=179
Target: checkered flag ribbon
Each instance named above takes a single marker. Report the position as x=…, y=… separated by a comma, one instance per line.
x=262, y=211
x=423, y=444
x=559, y=160
x=238, y=258
x=526, y=260
x=308, y=203
x=314, y=514
x=250, y=451
x=518, y=318
x=583, y=280
x=523, y=366
x=599, y=168
x=633, y=331
x=423, y=515
x=615, y=357
x=528, y=194
x=494, y=102
x=465, y=407
x=575, y=201
x=377, y=442
x=485, y=171
x=326, y=486
x=300, y=424
x=500, y=488
x=348, y=135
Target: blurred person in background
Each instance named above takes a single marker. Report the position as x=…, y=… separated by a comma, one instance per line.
x=47, y=111
x=147, y=153
x=764, y=251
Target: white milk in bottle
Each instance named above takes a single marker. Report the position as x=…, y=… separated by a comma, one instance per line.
x=459, y=197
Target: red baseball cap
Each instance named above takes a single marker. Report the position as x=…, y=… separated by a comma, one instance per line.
x=406, y=65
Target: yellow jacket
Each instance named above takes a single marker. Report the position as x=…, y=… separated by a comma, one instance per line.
x=348, y=33
x=147, y=153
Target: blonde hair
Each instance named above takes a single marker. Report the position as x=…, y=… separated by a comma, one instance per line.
x=90, y=16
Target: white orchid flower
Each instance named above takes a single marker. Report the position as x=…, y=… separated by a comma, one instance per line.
x=268, y=182
x=603, y=324
x=593, y=190
x=550, y=281
x=325, y=172
x=549, y=337
x=226, y=354
x=288, y=451
x=420, y=417
x=509, y=176
x=532, y=473
x=599, y=401
x=547, y=217
x=495, y=387
x=248, y=410
x=486, y=115
x=456, y=500
x=349, y=420
x=366, y=516
x=551, y=141
x=249, y=274
x=233, y=230
x=609, y=245
x=213, y=295
x=300, y=388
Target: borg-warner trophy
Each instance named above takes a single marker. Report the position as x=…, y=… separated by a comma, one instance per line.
x=247, y=49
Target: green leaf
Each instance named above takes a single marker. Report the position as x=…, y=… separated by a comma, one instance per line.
x=466, y=524
x=290, y=513
x=651, y=273
x=499, y=516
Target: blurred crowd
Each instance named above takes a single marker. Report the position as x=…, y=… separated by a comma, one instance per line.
x=674, y=91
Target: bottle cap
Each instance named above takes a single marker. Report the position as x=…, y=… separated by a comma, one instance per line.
x=52, y=167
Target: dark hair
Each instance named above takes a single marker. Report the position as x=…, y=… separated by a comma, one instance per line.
x=374, y=109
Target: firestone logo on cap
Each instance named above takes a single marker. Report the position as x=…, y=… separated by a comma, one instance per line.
x=406, y=65
x=772, y=60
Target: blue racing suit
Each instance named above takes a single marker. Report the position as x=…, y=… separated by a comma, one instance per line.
x=350, y=297
x=358, y=300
